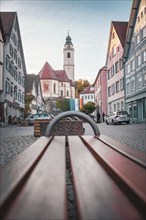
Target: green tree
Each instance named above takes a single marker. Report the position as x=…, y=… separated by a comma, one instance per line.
x=28, y=100
x=63, y=104
x=88, y=108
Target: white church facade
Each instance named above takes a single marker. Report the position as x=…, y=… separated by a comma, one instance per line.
x=59, y=83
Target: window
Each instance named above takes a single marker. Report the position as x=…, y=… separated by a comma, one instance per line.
x=113, y=89
x=15, y=56
x=139, y=82
x=7, y=64
x=67, y=93
x=15, y=74
x=54, y=88
x=138, y=59
x=19, y=63
x=114, y=107
x=133, y=85
x=122, y=106
x=11, y=91
x=113, y=35
x=61, y=92
x=7, y=87
x=128, y=87
x=15, y=92
x=128, y=68
x=109, y=74
x=61, y=83
x=114, y=51
x=137, y=38
x=122, y=84
x=112, y=70
x=120, y=64
x=142, y=14
x=118, y=106
x=143, y=32
x=117, y=86
x=145, y=79
x=144, y=56
x=19, y=79
x=132, y=65
x=11, y=50
x=116, y=67
x=68, y=55
x=108, y=91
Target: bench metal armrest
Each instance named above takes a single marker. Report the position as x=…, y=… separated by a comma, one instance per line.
x=72, y=114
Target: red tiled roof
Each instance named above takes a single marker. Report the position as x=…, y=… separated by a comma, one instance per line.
x=121, y=29
x=7, y=21
x=47, y=72
x=61, y=75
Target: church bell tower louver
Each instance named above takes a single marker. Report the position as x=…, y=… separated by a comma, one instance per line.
x=68, y=52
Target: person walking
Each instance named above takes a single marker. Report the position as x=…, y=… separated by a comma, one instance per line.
x=98, y=117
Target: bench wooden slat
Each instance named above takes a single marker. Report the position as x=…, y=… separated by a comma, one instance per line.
x=39, y=198
x=13, y=172
x=133, y=174
x=97, y=195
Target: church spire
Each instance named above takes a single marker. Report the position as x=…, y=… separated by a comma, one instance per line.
x=68, y=39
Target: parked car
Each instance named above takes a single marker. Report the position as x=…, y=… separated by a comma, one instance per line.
x=118, y=117
x=34, y=117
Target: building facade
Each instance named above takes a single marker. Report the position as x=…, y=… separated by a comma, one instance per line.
x=87, y=95
x=100, y=88
x=33, y=92
x=135, y=62
x=13, y=94
x=68, y=58
x=2, y=41
x=55, y=83
x=114, y=63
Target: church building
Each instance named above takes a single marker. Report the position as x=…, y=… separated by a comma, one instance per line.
x=59, y=83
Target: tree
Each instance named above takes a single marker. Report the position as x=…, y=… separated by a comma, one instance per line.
x=80, y=85
x=63, y=104
x=88, y=108
x=28, y=99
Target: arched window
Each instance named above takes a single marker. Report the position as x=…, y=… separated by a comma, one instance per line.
x=54, y=88
x=68, y=55
x=61, y=92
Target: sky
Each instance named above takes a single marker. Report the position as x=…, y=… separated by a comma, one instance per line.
x=44, y=26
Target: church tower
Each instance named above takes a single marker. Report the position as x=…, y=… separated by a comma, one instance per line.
x=68, y=52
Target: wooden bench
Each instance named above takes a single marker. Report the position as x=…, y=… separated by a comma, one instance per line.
x=74, y=177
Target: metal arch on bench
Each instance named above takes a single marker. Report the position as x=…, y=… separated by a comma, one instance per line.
x=71, y=114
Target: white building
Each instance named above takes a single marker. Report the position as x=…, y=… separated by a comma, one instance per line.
x=2, y=41
x=14, y=68
x=59, y=83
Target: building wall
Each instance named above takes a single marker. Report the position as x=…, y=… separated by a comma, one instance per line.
x=69, y=61
x=115, y=75
x=135, y=69
x=100, y=87
x=1, y=61
x=14, y=76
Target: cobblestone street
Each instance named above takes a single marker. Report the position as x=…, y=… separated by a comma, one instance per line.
x=15, y=139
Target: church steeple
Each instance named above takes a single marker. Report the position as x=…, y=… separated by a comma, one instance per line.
x=68, y=40
x=68, y=52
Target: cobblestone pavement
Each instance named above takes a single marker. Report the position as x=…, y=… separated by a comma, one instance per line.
x=15, y=139
x=133, y=135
